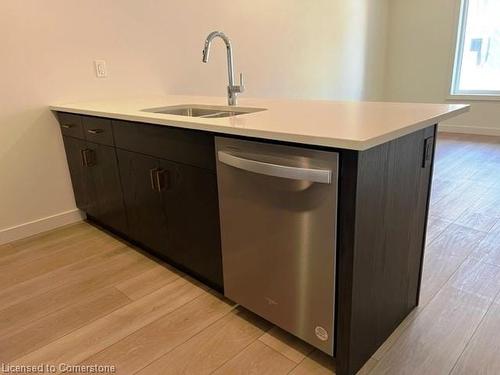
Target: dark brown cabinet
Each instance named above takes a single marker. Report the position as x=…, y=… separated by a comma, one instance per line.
x=82, y=189
x=96, y=182
x=146, y=216
x=172, y=210
x=71, y=125
x=189, y=198
x=154, y=184
x=105, y=179
x=170, y=191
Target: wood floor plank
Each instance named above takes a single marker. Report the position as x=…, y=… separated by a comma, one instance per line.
x=488, y=203
x=286, y=344
x=487, y=174
x=437, y=270
x=317, y=363
x=442, y=188
x=496, y=228
x=161, y=336
x=438, y=335
x=7, y=250
x=451, y=157
x=435, y=226
x=98, y=335
x=444, y=256
x=212, y=347
x=475, y=219
x=15, y=317
x=54, y=237
x=488, y=249
x=453, y=205
x=257, y=359
x=464, y=161
x=481, y=356
x=148, y=282
x=62, y=276
x=34, y=251
x=457, y=241
x=56, y=325
x=68, y=255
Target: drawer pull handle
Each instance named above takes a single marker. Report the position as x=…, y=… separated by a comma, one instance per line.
x=95, y=131
x=66, y=126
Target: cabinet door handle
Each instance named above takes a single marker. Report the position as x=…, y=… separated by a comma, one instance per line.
x=88, y=157
x=95, y=131
x=67, y=126
x=83, y=156
x=162, y=179
x=428, y=151
x=152, y=173
x=92, y=158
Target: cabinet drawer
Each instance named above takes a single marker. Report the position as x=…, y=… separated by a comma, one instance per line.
x=98, y=130
x=181, y=145
x=71, y=125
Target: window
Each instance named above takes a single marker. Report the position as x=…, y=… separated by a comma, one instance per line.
x=477, y=61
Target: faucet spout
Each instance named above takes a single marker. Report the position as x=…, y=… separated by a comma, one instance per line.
x=232, y=89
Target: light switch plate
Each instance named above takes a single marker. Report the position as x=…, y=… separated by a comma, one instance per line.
x=100, y=69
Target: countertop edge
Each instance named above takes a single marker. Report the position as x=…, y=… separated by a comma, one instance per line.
x=354, y=145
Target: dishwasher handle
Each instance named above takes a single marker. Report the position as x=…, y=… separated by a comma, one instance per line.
x=323, y=176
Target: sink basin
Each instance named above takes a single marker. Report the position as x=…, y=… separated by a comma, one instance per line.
x=203, y=111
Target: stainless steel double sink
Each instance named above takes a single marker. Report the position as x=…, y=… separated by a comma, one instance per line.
x=203, y=111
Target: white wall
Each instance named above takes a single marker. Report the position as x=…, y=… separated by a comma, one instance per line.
x=421, y=46
x=293, y=48
x=288, y=48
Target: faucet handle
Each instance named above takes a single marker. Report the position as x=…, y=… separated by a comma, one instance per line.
x=242, y=85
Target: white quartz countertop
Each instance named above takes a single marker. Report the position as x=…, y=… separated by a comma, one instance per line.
x=348, y=125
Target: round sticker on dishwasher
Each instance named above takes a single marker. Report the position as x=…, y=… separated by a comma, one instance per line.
x=321, y=333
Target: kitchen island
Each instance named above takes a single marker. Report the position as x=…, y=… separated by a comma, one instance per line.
x=152, y=178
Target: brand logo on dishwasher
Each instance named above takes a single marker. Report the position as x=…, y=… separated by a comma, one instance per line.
x=321, y=333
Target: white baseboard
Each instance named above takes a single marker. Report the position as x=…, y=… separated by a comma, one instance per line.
x=41, y=225
x=468, y=130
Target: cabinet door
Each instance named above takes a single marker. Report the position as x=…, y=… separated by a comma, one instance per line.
x=80, y=178
x=146, y=216
x=190, y=200
x=103, y=169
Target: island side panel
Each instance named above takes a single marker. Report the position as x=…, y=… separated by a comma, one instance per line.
x=430, y=135
x=345, y=257
x=380, y=245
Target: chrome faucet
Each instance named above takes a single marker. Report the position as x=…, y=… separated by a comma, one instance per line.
x=232, y=89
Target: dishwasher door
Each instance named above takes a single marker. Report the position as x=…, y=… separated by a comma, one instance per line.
x=278, y=208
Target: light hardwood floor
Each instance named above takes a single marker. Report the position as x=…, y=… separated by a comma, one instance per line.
x=80, y=296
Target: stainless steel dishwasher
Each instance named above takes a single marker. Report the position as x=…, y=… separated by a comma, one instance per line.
x=278, y=207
